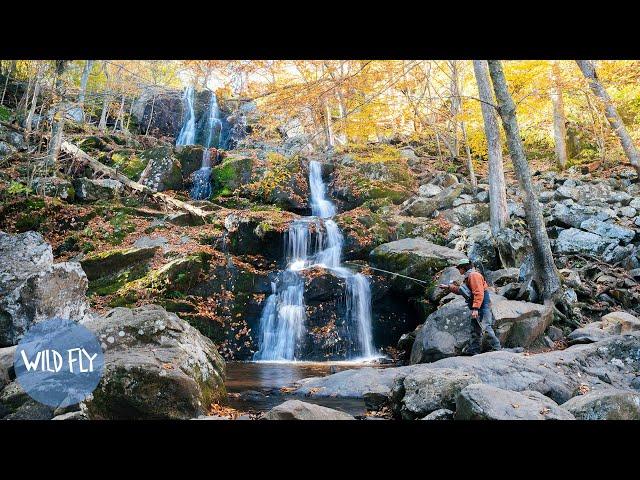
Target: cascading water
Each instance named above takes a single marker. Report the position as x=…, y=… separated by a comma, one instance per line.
x=214, y=124
x=201, y=188
x=187, y=134
x=284, y=314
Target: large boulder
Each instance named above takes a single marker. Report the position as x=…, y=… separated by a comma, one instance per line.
x=234, y=171
x=423, y=392
x=33, y=288
x=468, y=214
x=422, y=206
x=163, y=170
x=54, y=187
x=107, y=263
x=298, y=410
x=447, y=331
x=6, y=365
x=573, y=240
x=559, y=374
x=485, y=402
x=605, y=404
x=614, y=323
x=573, y=214
x=89, y=190
x=413, y=257
x=157, y=366
x=608, y=230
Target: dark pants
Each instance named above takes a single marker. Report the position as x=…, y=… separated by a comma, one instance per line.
x=484, y=322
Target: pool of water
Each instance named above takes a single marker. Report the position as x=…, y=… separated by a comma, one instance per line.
x=255, y=386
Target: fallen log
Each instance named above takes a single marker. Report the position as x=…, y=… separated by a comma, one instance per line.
x=114, y=174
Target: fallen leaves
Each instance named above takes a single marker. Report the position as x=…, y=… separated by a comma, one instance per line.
x=583, y=389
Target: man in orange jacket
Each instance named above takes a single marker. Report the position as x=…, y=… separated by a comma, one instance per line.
x=477, y=295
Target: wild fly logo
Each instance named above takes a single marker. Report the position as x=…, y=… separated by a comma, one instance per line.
x=59, y=362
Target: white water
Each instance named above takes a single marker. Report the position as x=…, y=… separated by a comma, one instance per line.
x=284, y=314
x=187, y=134
x=201, y=188
x=214, y=124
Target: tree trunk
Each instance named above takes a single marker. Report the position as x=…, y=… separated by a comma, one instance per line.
x=6, y=80
x=499, y=215
x=559, y=120
x=455, y=109
x=34, y=100
x=120, y=117
x=106, y=101
x=327, y=123
x=544, y=265
x=88, y=65
x=611, y=113
x=153, y=105
x=57, y=128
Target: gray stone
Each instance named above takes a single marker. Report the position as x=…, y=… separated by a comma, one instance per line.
x=71, y=416
x=447, y=331
x=33, y=288
x=605, y=404
x=441, y=414
x=426, y=206
x=614, y=323
x=609, y=230
x=628, y=212
x=163, y=172
x=467, y=215
x=429, y=190
x=298, y=410
x=31, y=410
x=89, y=190
x=157, y=366
x=414, y=257
x=558, y=374
x=485, y=402
x=422, y=392
x=6, y=365
x=104, y=264
x=573, y=240
x=54, y=187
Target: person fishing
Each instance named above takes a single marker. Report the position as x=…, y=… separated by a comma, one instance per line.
x=475, y=290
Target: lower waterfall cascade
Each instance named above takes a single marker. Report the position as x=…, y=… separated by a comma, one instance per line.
x=282, y=322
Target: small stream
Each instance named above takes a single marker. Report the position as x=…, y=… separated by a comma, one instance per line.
x=259, y=383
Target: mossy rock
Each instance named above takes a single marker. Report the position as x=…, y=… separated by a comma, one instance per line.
x=92, y=143
x=107, y=263
x=190, y=157
x=128, y=163
x=231, y=174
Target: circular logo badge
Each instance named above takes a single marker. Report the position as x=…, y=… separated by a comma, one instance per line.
x=59, y=362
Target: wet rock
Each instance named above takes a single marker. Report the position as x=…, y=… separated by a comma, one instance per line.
x=162, y=171
x=107, y=263
x=614, y=323
x=423, y=392
x=447, y=331
x=261, y=232
x=414, y=257
x=558, y=374
x=190, y=157
x=89, y=190
x=485, y=402
x=157, y=366
x=605, y=404
x=33, y=288
x=298, y=410
x=234, y=171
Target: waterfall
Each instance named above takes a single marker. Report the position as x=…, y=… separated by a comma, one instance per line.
x=284, y=314
x=214, y=124
x=201, y=188
x=187, y=134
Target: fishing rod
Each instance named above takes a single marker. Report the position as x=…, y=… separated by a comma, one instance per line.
x=387, y=271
